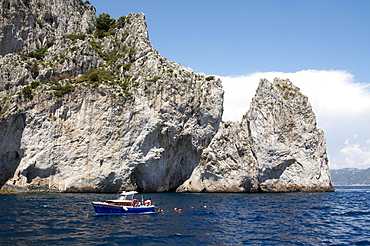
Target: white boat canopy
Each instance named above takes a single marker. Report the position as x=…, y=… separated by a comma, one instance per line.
x=127, y=195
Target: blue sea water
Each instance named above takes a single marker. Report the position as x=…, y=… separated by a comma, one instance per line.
x=338, y=218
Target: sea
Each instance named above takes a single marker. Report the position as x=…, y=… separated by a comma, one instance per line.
x=336, y=218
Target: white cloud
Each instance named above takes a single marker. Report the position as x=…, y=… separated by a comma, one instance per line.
x=356, y=155
x=239, y=92
x=331, y=93
x=341, y=105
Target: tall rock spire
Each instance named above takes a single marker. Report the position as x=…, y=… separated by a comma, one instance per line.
x=277, y=147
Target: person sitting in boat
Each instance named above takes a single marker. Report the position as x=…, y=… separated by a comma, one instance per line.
x=148, y=202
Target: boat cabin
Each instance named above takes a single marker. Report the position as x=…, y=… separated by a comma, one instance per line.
x=125, y=199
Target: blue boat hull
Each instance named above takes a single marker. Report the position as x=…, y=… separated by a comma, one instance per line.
x=117, y=210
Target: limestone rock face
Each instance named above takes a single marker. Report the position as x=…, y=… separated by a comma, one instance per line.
x=27, y=25
x=277, y=147
x=101, y=113
x=227, y=165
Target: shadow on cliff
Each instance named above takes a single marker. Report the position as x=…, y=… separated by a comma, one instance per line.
x=31, y=172
x=11, y=154
x=170, y=168
x=276, y=171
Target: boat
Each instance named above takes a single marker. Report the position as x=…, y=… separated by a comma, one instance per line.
x=124, y=204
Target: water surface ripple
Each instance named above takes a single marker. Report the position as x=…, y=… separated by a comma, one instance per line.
x=338, y=218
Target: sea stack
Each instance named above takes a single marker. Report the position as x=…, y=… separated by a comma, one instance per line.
x=277, y=147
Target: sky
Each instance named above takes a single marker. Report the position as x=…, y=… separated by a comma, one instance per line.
x=323, y=47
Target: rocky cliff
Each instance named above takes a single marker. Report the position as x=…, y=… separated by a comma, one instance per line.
x=87, y=109
x=88, y=112
x=276, y=147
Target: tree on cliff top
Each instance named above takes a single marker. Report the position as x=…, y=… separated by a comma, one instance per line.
x=103, y=23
